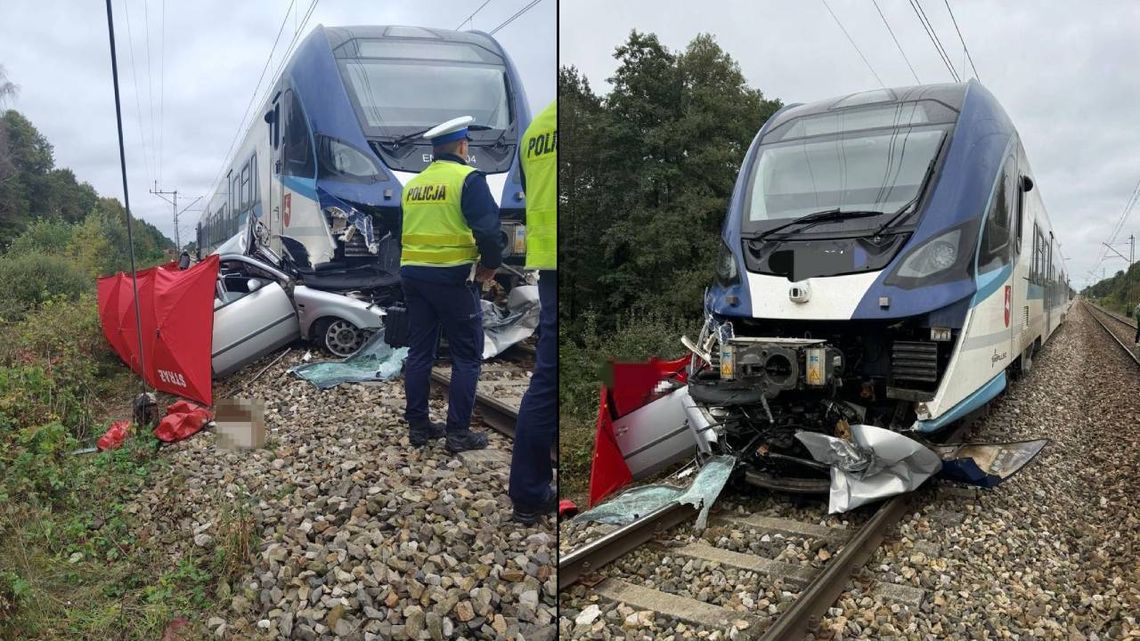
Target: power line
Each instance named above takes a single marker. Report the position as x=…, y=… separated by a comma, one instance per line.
x=135, y=79
x=514, y=17
x=964, y=47
x=930, y=32
x=162, y=90
x=852, y=41
x=1128, y=205
x=149, y=80
x=468, y=19
x=245, y=113
x=897, y=45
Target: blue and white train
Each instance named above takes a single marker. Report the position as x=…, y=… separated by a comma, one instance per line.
x=324, y=164
x=886, y=260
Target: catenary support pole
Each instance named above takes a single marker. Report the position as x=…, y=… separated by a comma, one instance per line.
x=126, y=197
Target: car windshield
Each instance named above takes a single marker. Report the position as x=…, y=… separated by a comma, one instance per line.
x=868, y=160
x=401, y=86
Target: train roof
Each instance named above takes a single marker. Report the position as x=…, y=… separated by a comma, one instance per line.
x=337, y=36
x=952, y=95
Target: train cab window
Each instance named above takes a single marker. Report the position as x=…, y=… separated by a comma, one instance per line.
x=996, y=248
x=298, y=148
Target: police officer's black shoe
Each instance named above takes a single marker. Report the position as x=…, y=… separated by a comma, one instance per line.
x=530, y=516
x=466, y=440
x=420, y=434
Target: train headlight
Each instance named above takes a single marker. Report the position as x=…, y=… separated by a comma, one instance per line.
x=343, y=161
x=726, y=271
x=936, y=255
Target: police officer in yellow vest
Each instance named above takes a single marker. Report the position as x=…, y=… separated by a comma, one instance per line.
x=450, y=237
x=530, y=487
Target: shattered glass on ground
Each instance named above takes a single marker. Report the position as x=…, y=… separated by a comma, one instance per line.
x=375, y=361
x=636, y=503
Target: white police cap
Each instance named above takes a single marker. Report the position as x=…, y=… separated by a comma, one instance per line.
x=454, y=129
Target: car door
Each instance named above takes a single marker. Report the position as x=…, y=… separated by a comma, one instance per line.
x=253, y=314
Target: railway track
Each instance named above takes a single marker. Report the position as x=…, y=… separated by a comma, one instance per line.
x=502, y=383
x=1124, y=340
x=818, y=587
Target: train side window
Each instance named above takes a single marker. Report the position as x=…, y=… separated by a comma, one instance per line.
x=995, y=250
x=246, y=192
x=298, y=150
x=1035, y=266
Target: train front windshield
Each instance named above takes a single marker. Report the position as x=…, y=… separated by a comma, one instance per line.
x=869, y=159
x=402, y=86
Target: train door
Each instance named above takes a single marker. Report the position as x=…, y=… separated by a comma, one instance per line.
x=997, y=266
x=273, y=171
x=1023, y=261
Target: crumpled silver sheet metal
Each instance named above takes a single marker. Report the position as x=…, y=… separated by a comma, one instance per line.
x=881, y=464
x=633, y=504
x=505, y=327
x=986, y=464
x=374, y=361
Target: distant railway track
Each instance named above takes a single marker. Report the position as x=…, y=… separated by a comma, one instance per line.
x=1099, y=314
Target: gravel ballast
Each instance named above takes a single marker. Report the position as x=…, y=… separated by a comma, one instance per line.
x=357, y=534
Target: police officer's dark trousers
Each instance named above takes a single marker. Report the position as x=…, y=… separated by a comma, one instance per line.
x=456, y=309
x=538, y=414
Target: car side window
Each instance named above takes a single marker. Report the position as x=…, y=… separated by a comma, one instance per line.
x=996, y=249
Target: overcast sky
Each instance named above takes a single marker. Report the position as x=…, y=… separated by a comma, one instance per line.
x=1065, y=72
x=58, y=54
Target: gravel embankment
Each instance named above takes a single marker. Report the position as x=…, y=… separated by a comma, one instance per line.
x=1052, y=553
x=359, y=535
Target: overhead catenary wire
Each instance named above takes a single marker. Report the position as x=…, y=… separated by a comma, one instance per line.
x=934, y=39
x=852, y=41
x=473, y=13
x=514, y=17
x=147, y=161
x=962, y=40
x=897, y=45
x=253, y=95
x=1129, y=204
x=162, y=90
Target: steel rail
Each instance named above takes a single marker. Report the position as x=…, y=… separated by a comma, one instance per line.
x=497, y=414
x=1116, y=338
x=616, y=544
x=826, y=587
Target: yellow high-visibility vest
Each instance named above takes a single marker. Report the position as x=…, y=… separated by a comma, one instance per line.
x=540, y=166
x=435, y=233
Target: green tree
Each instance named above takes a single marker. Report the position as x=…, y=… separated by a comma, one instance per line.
x=647, y=174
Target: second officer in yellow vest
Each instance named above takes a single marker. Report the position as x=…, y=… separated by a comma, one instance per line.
x=530, y=490
x=450, y=238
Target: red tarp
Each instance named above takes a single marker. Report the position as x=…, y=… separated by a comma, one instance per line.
x=177, y=325
x=183, y=419
x=631, y=385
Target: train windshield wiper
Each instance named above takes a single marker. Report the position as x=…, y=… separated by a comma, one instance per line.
x=913, y=202
x=827, y=215
x=416, y=134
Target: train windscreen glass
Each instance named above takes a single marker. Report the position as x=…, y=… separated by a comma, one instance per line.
x=870, y=159
x=402, y=85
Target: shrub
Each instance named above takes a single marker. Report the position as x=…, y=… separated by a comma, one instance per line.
x=30, y=279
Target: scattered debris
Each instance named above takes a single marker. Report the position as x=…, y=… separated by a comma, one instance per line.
x=505, y=326
x=114, y=436
x=875, y=464
x=986, y=465
x=374, y=361
x=640, y=501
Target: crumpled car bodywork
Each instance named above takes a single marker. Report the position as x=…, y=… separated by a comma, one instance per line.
x=259, y=308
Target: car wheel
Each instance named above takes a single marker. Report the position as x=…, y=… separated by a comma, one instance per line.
x=340, y=337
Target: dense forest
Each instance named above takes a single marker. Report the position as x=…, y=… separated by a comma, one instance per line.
x=645, y=175
x=1120, y=292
